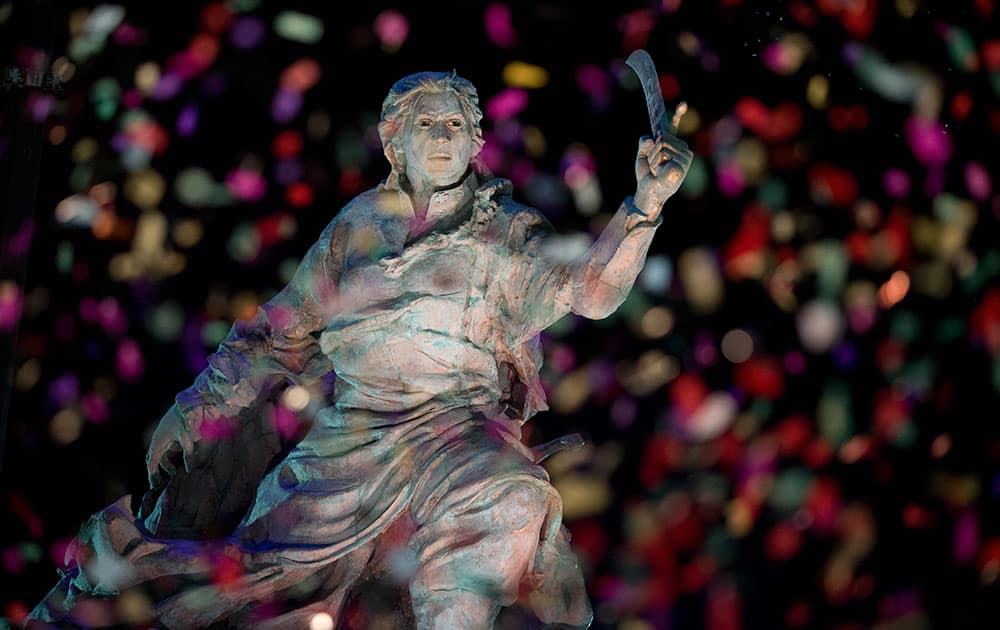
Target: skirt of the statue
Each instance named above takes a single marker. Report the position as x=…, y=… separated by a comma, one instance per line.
x=417, y=500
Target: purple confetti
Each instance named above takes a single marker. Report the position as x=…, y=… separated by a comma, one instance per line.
x=64, y=390
x=168, y=86
x=286, y=105
x=187, y=120
x=247, y=33
x=288, y=172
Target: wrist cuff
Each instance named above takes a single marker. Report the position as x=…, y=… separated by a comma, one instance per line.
x=636, y=218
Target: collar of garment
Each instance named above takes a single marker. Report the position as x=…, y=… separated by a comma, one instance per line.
x=443, y=203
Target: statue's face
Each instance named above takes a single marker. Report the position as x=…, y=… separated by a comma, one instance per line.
x=437, y=141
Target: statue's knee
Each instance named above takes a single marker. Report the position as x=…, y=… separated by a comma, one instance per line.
x=523, y=503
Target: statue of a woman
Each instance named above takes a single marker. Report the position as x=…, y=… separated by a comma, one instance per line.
x=425, y=297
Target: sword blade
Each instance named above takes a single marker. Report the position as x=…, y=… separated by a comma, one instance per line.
x=642, y=64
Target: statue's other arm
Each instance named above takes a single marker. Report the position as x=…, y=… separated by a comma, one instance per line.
x=276, y=342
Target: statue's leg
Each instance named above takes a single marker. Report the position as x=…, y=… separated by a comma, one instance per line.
x=472, y=558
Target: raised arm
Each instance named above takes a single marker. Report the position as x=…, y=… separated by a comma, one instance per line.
x=595, y=285
x=275, y=343
x=601, y=281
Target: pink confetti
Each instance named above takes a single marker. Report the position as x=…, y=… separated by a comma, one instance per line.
x=129, y=362
x=596, y=83
x=499, y=28
x=128, y=35
x=778, y=58
x=246, y=185
x=896, y=183
x=636, y=27
x=13, y=561
x=11, y=301
x=112, y=317
x=392, y=28
x=59, y=549
x=929, y=141
x=730, y=178
x=977, y=180
x=966, y=538
x=95, y=408
x=218, y=429
x=508, y=103
x=286, y=422
x=132, y=99
x=795, y=362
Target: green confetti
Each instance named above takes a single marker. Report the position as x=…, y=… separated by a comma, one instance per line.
x=31, y=552
x=244, y=243
x=773, y=193
x=831, y=268
x=696, y=182
x=64, y=257
x=166, y=322
x=905, y=326
x=789, y=490
x=214, y=332
x=834, y=413
x=298, y=27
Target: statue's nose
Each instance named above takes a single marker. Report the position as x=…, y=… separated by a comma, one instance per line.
x=441, y=133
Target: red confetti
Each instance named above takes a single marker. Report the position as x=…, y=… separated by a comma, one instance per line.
x=772, y=125
x=832, y=186
x=299, y=195
x=761, y=377
x=287, y=144
x=216, y=18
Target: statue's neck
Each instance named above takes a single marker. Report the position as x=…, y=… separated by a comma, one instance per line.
x=432, y=205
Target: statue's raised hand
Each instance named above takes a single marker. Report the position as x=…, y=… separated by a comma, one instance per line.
x=172, y=446
x=660, y=167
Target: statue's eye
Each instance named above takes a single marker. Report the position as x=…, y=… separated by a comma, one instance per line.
x=424, y=123
x=456, y=123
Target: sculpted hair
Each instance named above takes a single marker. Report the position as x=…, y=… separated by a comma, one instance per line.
x=399, y=103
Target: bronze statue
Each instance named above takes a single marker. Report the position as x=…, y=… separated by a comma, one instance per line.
x=425, y=297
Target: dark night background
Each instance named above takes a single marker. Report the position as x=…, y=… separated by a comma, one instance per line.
x=792, y=421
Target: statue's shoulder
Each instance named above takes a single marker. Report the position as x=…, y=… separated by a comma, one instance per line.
x=524, y=224
x=363, y=208
x=515, y=219
x=354, y=216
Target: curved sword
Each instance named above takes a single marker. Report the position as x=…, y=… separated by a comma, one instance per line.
x=642, y=64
